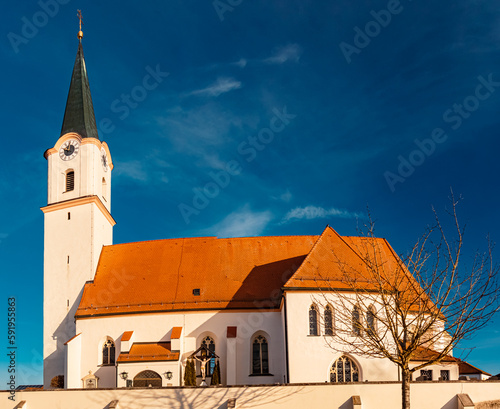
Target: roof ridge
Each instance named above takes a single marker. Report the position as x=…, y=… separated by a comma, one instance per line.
x=308, y=254
x=211, y=237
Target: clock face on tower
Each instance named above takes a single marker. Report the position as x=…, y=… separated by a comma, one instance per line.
x=104, y=160
x=69, y=149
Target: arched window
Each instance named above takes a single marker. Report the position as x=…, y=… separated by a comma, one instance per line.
x=357, y=328
x=260, y=356
x=344, y=370
x=147, y=379
x=210, y=344
x=313, y=320
x=370, y=319
x=108, y=352
x=328, y=320
x=70, y=181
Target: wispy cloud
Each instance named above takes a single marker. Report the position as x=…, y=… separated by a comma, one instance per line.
x=3, y=236
x=242, y=63
x=242, y=223
x=132, y=169
x=285, y=196
x=221, y=86
x=315, y=212
x=290, y=52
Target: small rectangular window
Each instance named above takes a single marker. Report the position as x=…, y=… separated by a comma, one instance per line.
x=67, y=303
x=196, y=291
x=68, y=259
x=69, y=216
x=445, y=375
x=426, y=374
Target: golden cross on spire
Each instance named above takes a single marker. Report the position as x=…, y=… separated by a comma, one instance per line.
x=80, y=33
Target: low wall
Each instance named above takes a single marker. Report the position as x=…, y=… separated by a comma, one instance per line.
x=374, y=395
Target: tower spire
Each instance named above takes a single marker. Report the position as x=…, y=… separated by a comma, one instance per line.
x=79, y=114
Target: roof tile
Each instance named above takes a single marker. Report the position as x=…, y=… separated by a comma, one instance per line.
x=147, y=352
x=236, y=273
x=176, y=333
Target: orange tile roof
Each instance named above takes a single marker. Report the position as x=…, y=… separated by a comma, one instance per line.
x=176, y=333
x=147, y=352
x=71, y=339
x=426, y=354
x=127, y=335
x=340, y=263
x=155, y=276
x=464, y=368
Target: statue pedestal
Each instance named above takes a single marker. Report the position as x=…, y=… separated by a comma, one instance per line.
x=203, y=383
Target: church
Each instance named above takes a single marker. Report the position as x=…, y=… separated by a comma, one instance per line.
x=252, y=310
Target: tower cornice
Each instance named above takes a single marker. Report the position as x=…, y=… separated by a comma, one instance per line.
x=66, y=204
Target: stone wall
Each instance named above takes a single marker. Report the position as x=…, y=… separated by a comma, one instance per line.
x=374, y=395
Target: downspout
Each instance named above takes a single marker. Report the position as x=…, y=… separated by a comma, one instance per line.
x=286, y=341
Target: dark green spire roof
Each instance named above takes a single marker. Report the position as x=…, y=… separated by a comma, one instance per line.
x=79, y=115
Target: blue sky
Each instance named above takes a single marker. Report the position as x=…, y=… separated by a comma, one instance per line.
x=352, y=94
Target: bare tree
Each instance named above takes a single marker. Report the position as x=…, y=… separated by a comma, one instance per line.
x=408, y=309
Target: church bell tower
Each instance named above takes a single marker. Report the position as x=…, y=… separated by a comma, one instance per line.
x=77, y=218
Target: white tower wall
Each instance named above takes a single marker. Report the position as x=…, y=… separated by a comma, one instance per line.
x=77, y=224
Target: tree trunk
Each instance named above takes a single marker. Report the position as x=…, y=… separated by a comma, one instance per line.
x=405, y=388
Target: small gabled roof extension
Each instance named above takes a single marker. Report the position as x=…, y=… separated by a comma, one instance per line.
x=423, y=354
x=464, y=368
x=148, y=352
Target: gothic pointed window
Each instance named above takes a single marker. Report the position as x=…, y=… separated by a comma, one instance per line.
x=328, y=320
x=357, y=328
x=313, y=320
x=370, y=319
x=344, y=370
x=209, y=343
x=108, y=352
x=70, y=181
x=260, y=356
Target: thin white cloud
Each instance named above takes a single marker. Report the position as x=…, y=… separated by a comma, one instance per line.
x=3, y=236
x=221, y=86
x=132, y=169
x=242, y=223
x=285, y=196
x=315, y=212
x=290, y=52
x=242, y=63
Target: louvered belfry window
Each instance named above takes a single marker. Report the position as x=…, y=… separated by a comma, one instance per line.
x=70, y=181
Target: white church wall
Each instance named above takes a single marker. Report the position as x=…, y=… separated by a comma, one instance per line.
x=304, y=348
x=436, y=370
x=196, y=325
x=72, y=378
x=133, y=369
